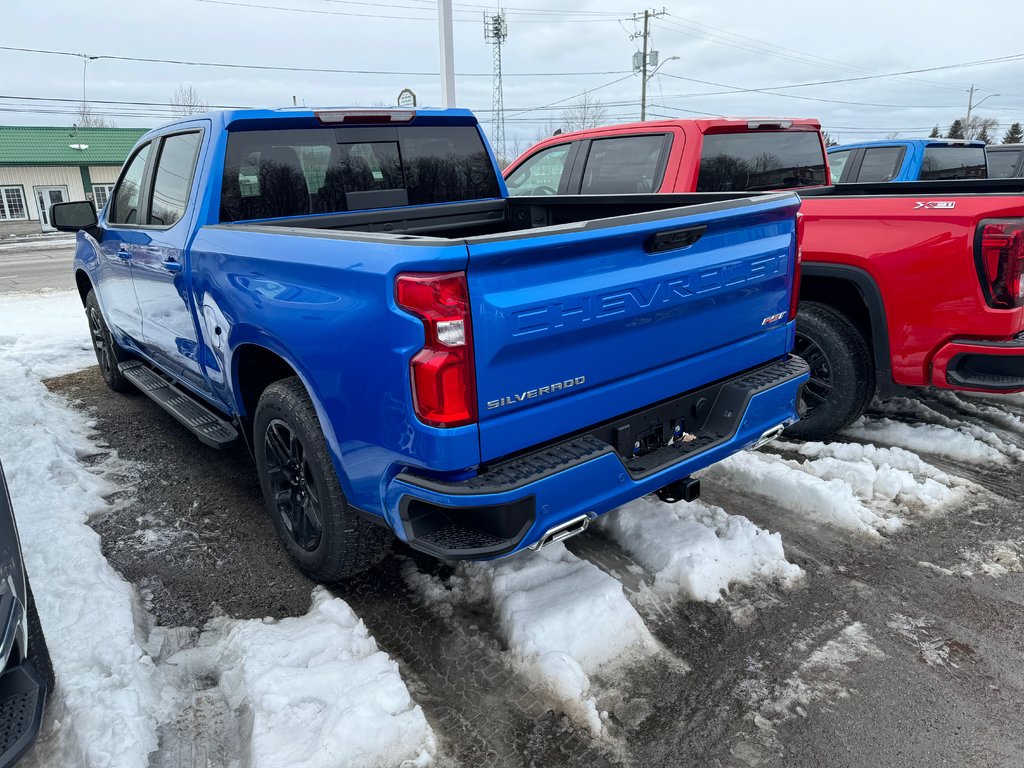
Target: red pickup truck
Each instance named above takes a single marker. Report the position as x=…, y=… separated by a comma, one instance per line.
x=904, y=284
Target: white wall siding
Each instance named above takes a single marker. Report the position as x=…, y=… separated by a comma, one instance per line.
x=104, y=174
x=29, y=177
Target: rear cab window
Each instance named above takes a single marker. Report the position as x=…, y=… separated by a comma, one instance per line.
x=760, y=160
x=297, y=172
x=625, y=165
x=953, y=162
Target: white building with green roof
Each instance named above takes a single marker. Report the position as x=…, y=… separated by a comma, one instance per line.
x=40, y=166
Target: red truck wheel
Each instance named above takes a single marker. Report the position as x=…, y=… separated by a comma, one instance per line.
x=842, y=371
x=328, y=539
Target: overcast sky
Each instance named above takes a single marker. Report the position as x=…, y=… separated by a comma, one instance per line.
x=554, y=51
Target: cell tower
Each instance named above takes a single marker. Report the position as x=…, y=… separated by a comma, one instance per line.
x=495, y=32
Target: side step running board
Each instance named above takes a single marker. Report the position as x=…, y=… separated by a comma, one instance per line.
x=199, y=419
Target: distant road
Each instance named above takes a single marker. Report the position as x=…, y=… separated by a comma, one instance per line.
x=35, y=266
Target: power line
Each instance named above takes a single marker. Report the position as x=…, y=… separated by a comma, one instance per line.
x=380, y=16
x=320, y=70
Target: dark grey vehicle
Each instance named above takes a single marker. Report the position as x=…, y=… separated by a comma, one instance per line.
x=25, y=670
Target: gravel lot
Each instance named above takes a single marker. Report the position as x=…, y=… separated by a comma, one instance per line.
x=885, y=654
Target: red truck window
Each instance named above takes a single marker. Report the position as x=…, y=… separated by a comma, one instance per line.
x=761, y=160
x=625, y=165
x=541, y=174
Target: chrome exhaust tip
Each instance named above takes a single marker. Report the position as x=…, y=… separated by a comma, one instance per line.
x=772, y=434
x=562, y=532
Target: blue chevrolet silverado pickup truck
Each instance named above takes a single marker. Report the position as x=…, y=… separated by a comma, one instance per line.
x=908, y=160
x=406, y=350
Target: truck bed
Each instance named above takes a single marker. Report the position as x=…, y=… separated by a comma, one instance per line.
x=482, y=218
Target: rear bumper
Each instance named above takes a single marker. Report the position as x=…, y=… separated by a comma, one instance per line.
x=980, y=366
x=512, y=505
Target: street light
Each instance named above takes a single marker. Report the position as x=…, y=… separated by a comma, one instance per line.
x=646, y=79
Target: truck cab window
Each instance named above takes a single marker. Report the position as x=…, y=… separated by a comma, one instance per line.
x=624, y=165
x=125, y=208
x=880, y=164
x=760, y=160
x=837, y=162
x=540, y=174
x=173, y=178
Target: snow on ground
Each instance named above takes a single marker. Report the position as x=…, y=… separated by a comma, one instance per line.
x=818, y=678
x=828, y=499
x=697, y=550
x=107, y=690
x=996, y=414
x=937, y=434
x=563, y=620
x=320, y=675
x=997, y=559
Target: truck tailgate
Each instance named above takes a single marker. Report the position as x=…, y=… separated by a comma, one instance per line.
x=576, y=324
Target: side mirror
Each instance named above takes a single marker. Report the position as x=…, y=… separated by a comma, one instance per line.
x=71, y=217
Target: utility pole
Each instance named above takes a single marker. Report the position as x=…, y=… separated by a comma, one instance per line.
x=495, y=33
x=970, y=104
x=646, y=57
x=444, y=28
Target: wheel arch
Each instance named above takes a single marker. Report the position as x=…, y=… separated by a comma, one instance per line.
x=854, y=293
x=84, y=284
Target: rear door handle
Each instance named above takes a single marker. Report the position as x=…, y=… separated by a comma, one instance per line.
x=172, y=266
x=124, y=254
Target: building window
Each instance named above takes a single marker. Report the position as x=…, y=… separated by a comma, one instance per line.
x=100, y=194
x=12, y=203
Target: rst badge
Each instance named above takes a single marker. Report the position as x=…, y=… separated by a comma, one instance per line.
x=938, y=204
x=772, y=319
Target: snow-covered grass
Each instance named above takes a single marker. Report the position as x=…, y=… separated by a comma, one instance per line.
x=320, y=676
x=318, y=693
x=697, y=550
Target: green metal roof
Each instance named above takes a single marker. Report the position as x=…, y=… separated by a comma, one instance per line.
x=25, y=145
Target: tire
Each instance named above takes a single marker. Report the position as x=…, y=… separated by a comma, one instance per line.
x=108, y=354
x=842, y=371
x=327, y=538
x=38, y=653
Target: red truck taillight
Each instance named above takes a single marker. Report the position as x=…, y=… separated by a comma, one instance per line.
x=794, y=300
x=999, y=253
x=443, y=382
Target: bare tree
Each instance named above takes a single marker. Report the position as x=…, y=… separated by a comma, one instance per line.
x=829, y=140
x=86, y=118
x=893, y=135
x=186, y=101
x=583, y=113
x=979, y=127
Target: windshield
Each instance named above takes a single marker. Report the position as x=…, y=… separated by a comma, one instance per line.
x=953, y=163
x=1002, y=164
x=297, y=172
x=761, y=160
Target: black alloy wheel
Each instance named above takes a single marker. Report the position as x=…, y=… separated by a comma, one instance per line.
x=294, y=488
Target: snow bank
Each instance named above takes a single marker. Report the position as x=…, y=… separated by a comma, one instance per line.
x=318, y=693
x=698, y=550
x=926, y=438
x=563, y=620
x=887, y=475
x=107, y=686
x=829, y=500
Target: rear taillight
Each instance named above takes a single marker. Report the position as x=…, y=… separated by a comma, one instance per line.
x=999, y=253
x=443, y=382
x=794, y=300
